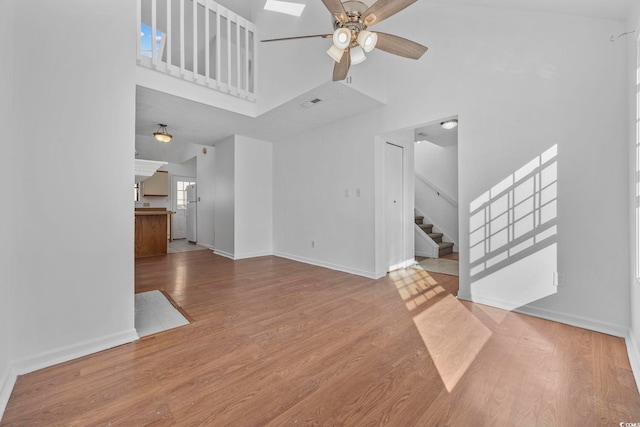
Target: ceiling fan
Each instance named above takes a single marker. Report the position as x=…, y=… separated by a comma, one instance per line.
x=351, y=38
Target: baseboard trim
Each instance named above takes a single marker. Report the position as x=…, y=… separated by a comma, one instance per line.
x=253, y=255
x=331, y=266
x=222, y=253
x=64, y=354
x=56, y=356
x=204, y=245
x=567, y=319
x=634, y=357
x=7, y=382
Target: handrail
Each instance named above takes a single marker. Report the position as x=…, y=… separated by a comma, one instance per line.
x=437, y=190
x=199, y=41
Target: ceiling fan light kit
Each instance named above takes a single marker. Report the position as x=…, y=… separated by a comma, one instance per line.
x=351, y=19
x=357, y=55
x=367, y=40
x=335, y=52
x=342, y=38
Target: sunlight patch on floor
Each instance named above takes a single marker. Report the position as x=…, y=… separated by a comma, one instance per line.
x=454, y=337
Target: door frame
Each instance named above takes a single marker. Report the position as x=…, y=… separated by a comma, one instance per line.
x=408, y=237
x=174, y=192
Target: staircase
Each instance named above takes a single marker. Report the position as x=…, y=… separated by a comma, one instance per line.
x=444, y=247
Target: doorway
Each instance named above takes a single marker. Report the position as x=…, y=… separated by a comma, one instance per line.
x=179, y=191
x=394, y=206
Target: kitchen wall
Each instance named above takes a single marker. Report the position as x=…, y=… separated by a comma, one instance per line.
x=173, y=169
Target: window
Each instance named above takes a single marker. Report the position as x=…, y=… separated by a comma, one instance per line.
x=181, y=194
x=146, y=42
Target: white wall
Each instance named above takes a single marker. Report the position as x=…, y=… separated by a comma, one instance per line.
x=439, y=165
x=242, y=176
x=633, y=341
x=521, y=83
x=253, y=197
x=72, y=291
x=8, y=215
x=312, y=171
x=224, y=184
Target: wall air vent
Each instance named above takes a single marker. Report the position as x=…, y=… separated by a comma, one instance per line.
x=311, y=102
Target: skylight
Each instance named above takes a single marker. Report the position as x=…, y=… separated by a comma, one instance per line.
x=286, y=7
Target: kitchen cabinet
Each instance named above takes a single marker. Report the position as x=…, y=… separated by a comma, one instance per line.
x=156, y=185
x=151, y=231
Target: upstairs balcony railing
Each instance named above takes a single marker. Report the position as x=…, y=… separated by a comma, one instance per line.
x=199, y=41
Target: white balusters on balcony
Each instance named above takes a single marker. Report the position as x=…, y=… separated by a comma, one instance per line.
x=199, y=41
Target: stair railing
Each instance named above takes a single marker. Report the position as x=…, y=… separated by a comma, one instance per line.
x=439, y=192
x=199, y=41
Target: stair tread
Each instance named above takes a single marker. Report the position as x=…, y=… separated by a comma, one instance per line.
x=426, y=225
x=445, y=245
x=435, y=235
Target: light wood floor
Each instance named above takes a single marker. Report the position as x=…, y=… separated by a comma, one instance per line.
x=276, y=342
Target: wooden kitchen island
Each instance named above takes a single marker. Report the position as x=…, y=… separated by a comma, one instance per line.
x=151, y=227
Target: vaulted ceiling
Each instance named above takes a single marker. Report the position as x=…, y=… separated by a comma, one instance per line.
x=198, y=123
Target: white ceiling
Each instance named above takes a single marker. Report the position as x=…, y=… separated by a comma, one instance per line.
x=197, y=123
x=201, y=124
x=608, y=9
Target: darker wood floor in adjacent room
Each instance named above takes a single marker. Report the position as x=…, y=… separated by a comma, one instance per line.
x=276, y=342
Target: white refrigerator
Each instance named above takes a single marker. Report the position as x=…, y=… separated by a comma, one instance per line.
x=192, y=203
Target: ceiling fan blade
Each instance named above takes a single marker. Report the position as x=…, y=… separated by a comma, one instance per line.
x=337, y=9
x=382, y=9
x=399, y=46
x=324, y=36
x=341, y=69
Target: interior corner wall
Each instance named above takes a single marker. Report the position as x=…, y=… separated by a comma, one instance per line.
x=224, y=183
x=72, y=289
x=9, y=162
x=253, y=197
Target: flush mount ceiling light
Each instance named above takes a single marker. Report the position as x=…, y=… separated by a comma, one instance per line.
x=449, y=124
x=161, y=135
x=286, y=7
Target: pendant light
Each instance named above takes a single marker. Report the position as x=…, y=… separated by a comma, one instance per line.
x=161, y=135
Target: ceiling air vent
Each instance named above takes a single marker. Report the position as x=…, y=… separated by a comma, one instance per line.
x=311, y=102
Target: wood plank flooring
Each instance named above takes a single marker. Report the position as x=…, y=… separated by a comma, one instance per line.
x=276, y=342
